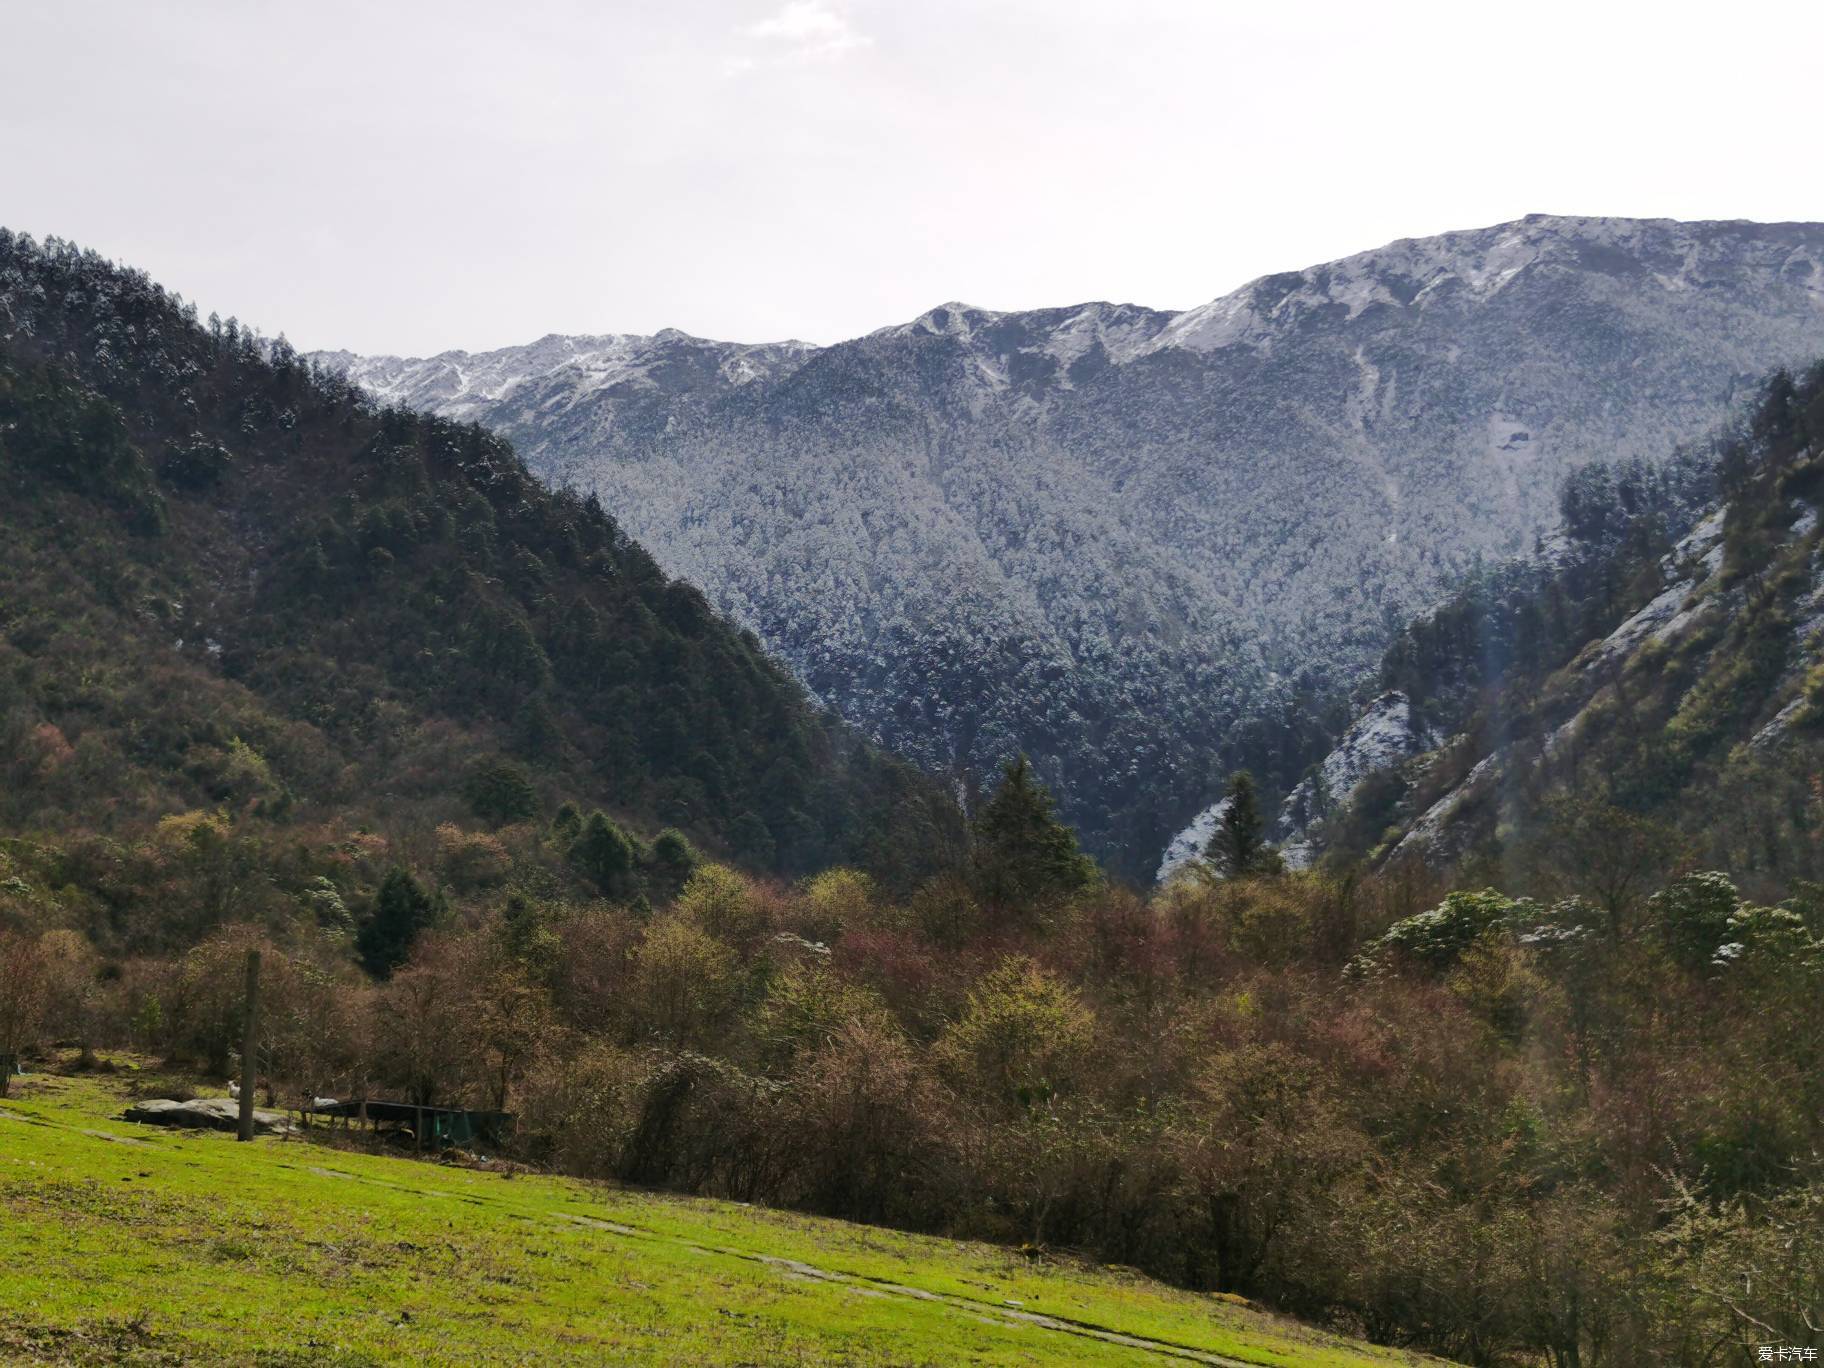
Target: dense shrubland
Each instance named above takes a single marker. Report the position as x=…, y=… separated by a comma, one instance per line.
x=1582, y=1123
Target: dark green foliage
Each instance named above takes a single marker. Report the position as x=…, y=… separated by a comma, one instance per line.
x=1024, y=856
x=752, y=840
x=604, y=855
x=566, y=825
x=1238, y=847
x=386, y=595
x=500, y=792
x=1692, y=916
x=537, y=733
x=52, y=429
x=673, y=860
x=401, y=910
x=195, y=464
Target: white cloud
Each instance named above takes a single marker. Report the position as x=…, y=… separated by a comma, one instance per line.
x=802, y=30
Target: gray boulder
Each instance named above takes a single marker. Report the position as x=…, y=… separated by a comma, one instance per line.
x=205, y=1113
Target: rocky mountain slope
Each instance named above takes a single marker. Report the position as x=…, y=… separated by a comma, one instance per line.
x=1689, y=696
x=1379, y=738
x=1135, y=543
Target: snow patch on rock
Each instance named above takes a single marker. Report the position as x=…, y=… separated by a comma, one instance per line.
x=1381, y=737
x=1190, y=843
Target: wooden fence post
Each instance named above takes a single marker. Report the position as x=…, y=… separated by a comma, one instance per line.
x=250, y=1023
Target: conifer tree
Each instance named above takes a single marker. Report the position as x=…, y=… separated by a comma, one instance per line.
x=499, y=792
x=603, y=854
x=401, y=910
x=674, y=860
x=1025, y=857
x=1238, y=847
x=567, y=825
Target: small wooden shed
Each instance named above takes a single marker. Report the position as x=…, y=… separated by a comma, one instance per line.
x=431, y=1127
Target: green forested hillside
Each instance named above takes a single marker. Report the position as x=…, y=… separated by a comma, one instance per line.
x=229, y=583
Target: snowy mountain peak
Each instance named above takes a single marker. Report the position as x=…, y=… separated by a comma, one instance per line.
x=562, y=370
x=950, y=319
x=1032, y=350
x=1413, y=273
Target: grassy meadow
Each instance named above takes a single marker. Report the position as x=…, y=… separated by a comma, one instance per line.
x=131, y=1244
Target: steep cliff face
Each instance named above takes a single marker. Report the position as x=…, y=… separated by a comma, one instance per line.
x=1123, y=539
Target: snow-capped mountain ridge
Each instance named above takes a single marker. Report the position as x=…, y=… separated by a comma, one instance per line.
x=463, y=384
x=1412, y=272
x=1106, y=534
x=1123, y=331
x=1405, y=274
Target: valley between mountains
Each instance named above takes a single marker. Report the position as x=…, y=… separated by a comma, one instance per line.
x=1148, y=547
x=1481, y=1022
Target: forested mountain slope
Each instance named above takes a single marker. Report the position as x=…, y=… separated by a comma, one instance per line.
x=232, y=582
x=1667, y=668
x=1135, y=543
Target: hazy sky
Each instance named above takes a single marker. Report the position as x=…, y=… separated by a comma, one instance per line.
x=406, y=177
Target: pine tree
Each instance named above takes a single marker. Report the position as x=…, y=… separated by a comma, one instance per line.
x=1238, y=847
x=401, y=910
x=567, y=825
x=500, y=792
x=1024, y=857
x=674, y=859
x=603, y=854
x=536, y=731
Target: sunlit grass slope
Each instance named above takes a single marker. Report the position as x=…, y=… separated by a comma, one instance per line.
x=122, y=1243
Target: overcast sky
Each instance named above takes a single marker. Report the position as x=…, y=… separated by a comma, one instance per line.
x=409, y=177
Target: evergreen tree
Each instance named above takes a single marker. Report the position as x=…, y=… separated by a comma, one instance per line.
x=567, y=825
x=1238, y=847
x=401, y=910
x=500, y=792
x=1024, y=856
x=603, y=854
x=752, y=840
x=536, y=731
x=674, y=860
x=525, y=935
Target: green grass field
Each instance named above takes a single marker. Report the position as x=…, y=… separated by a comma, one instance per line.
x=130, y=1244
